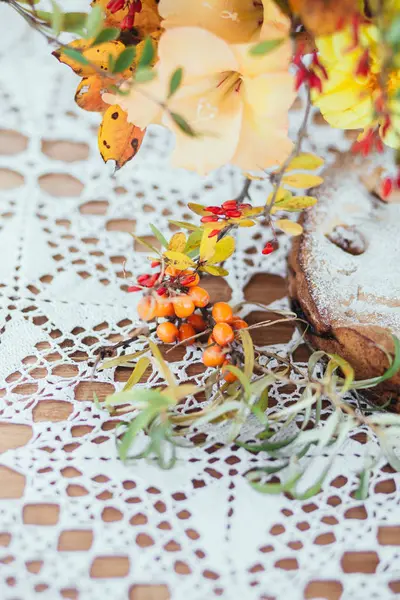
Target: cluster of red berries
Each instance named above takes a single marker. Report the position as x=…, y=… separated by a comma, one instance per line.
x=228, y=210
x=183, y=307
x=135, y=6
x=389, y=184
x=311, y=75
x=370, y=141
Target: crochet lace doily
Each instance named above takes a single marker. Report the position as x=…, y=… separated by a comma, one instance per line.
x=199, y=530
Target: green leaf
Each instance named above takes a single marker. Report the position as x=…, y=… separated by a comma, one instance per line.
x=267, y=446
x=159, y=236
x=393, y=33
x=392, y=370
x=106, y=35
x=57, y=18
x=144, y=243
x=182, y=124
x=124, y=60
x=175, y=81
x=94, y=22
x=185, y=225
x=147, y=55
x=193, y=241
x=138, y=424
x=348, y=371
x=361, y=492
x=275, y=488
x=75, y=55
x=265, y=47
x=137, y=373
x=143, y=75
x=244, y=380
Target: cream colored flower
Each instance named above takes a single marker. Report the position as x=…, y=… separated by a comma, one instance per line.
x=237, y=103
x=236, y=21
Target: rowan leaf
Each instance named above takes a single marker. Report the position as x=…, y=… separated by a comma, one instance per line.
x=294, y=204
x=118, y=140
x=289, y=227
x=223, y=250
x=106, y=35
x=124, y=60
x=264, y=47
x=89, y=94
x=175, y=81
x=216, y=271
x=94, y=22
x=302, y=180
x=306, y=161
x=178, y=242
x=179, y=260
x=147, y=55
x=182, y=124
x=185, y=225
x=207, y=246
x=159, y=235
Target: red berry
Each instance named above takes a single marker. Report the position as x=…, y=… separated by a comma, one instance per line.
x=244, y=206
x=268, y=248
x=143, y=278
x=134, y=288
x=213, y=233
x=233, y=214
x=387, y=187
x=151, y=280
x=161, y=291
x=155, y=263
x=229, y=205
x=398, y=180
x=215, y=210
x=209, y=219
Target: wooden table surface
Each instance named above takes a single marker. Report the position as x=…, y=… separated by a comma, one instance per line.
x=263, y=288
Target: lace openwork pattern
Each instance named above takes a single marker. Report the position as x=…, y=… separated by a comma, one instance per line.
x=74, y=521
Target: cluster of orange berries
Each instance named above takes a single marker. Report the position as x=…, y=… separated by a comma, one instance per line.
x=185, y=306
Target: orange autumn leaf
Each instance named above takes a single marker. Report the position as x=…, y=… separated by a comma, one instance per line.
x=118, y=140
x=98, y=56
x=322, y=17
x=89, y=92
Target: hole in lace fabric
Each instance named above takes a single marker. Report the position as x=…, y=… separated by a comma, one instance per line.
x=60, y=185
x=10, y=180
x=12, y=142
x=65, y=151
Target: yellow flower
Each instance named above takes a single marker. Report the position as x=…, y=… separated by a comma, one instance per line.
x=348, y=100
x=236, y=21
x=237, y=103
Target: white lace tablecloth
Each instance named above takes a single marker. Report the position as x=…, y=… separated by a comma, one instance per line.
x=199, y=529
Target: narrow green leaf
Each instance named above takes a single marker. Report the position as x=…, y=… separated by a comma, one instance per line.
x=106, y=35
x=94, y=22
x=185, y=225
x=361, y=492
x=175, y=81
x=147, y=55
x=264, y=47
x=57, y=18
x=244, y=380
x=164, y=368
x=143, y=75
x=138, y=424
x=392, y=370
x=159, y=236
x=75, y=55
x=146, y=244
x=124, y=60
x=248, y=350
x=182, y=124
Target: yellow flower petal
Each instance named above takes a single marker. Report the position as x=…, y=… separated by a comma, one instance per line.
x=269, y=94
x=141, y=103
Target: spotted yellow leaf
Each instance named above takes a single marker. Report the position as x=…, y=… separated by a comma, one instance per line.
x=118, y=140
x=178, y=242
x=289, y=227
x=302, y=180
x=89, y=94
x=179, y=260
x=97, y=56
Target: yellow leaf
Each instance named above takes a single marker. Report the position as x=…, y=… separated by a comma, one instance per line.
x=289, y=227
x=118, y=140
x=193, y=241
x=246, y=223
x=306, y=161
x=216, y=271
x=179, y=260
x=214, y=225
x=207, y=245
x=303, y=180
x=253, y=212
x=178, y=242
x=198, y=209
x=294, y=204
x=137, y=373
x=281, y=194
x=223, y=250
x=89, y=92
x=98, y=56
x=254, y=177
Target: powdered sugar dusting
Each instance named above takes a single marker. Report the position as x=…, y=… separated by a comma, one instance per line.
x=360, y=287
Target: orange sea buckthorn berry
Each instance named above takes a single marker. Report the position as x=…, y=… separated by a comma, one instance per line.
x=197, y=322
x=223, y=334
x=228, y=376
x=213, y=356
x=164, y=307
x=183, y=306
x=167, y=332
x=171, y=271
x=186, y=331
x=200, y=296
x=146, y=308
x=222, y=312
x=238, y=323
